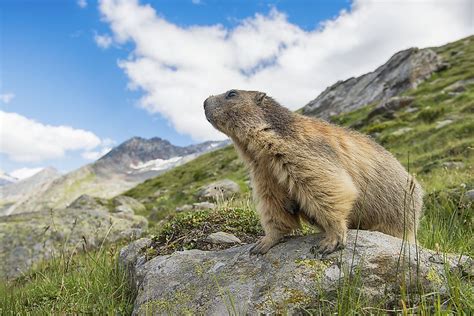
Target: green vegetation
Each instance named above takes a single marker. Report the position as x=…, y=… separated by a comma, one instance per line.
x=189, y=230
x=88, y=283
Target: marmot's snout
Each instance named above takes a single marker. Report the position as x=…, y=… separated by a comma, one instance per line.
x=209, y=105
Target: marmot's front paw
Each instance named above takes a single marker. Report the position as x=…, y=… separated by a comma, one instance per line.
x=263, y=245
x=328, y=244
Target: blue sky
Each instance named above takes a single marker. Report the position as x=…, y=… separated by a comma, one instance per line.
x=59, y=76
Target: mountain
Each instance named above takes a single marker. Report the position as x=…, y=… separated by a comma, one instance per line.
x=405, y=70
x=139, y=159
x=6, y=179
x=125, y=166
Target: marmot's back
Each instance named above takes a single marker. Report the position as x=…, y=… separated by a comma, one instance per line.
x=387, y=192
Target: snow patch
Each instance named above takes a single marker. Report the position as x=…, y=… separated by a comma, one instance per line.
x=161, y=164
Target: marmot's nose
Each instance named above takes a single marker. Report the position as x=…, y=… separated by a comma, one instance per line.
x=206, y=102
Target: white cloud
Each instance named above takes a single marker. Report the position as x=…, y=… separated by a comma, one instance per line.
x=196, y=1
x=177, y=68
x=26, y=140
x=82, y=3
x=6, y=97
x=103, y=41
x=24, y=173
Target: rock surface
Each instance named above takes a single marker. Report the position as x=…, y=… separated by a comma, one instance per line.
x=218, y=190
x=284, y=280
x=405, y=70
x=27, y=239
x=196, y=206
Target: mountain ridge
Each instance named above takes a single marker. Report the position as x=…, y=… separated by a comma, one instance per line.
x=117, y=171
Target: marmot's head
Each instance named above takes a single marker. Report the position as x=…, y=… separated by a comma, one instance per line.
x=238, y=112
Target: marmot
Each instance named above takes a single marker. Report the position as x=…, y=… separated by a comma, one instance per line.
x=304, y=168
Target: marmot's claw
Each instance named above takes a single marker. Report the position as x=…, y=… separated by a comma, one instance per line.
x=327, y=245
x=262, y=246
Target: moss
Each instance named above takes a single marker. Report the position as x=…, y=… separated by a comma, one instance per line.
x=434, y=277
x=317, y=266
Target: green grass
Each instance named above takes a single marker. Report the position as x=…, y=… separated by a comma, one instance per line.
x=88, y=283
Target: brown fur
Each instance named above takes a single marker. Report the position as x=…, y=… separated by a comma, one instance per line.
x=305, y=168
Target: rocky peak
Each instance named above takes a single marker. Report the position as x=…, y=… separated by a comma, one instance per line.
x=137, y=150
x=404, y=70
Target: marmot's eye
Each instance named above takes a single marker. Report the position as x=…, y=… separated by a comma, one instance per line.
x=230, y=94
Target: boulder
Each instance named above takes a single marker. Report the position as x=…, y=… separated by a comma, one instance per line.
x=389, y=107
x=26, y=239
x=127, y=204
x=87, y=202
x=196, y=206
x=218, y=190
x=287, y=280
x=470, y=195
x=223, y=238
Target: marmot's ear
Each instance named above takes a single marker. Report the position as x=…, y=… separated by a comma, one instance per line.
x=260, y=97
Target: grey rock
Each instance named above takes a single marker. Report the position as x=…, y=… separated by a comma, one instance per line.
x=388, y=107
x=219, y=190
x=196, y=206
x=288, y=276
x=127, y=204
x=26, y=239
x=459, y=86
x=401, y=131
x=223, y=238
x=441, y=124
x=470, y=195
x=411, y=109
x=184, y=208
x=453, y=164
x=405, y=70
x=87, y=202
x=204, y=206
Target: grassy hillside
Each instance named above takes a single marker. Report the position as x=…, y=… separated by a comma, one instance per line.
x=161, y=195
